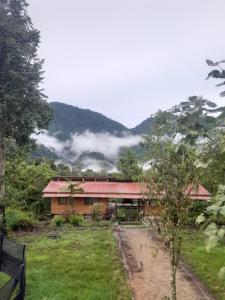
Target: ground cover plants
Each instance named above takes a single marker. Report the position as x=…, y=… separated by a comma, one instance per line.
x=205, y=264
x=81, y=264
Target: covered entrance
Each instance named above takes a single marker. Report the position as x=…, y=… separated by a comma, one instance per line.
x=129, y=209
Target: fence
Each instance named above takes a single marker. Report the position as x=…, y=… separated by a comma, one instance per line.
x=12, y=263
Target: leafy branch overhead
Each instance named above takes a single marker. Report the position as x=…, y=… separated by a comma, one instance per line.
x=217, y=73
x=190, y=120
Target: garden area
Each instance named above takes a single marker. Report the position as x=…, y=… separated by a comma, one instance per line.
x=79, y=264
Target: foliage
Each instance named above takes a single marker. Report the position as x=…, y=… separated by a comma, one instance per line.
x=172, y=172
x=76, y=220
x=218, y=73
x=18, y=219
x=191, y=120
x=58, y=220
x=128, y=165
x=124, y=214
x=23, y=107
x=196, y=208
x=24, y=184
x=69, y=120
x=144, y=127
x=206, y=265
x=81, y=265
x=213, y=231
x=210, y=161
x=96, y=212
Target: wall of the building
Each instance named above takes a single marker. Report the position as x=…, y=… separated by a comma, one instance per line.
x=76, y=206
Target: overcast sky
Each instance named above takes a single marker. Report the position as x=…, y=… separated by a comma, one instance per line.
x=129, y=58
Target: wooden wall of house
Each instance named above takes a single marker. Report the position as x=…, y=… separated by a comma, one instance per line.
x=77, y=206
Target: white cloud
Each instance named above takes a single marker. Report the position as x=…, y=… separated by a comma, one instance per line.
x=105, y=143
x=49, y=141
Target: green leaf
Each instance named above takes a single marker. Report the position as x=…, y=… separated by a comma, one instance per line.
x=213, y=209
x=200, y=219
x=222, y=211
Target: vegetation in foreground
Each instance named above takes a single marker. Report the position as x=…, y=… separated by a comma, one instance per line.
x=81, y=264
x=205, y=265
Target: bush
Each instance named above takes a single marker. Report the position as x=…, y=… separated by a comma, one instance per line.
x=76, y=220
x=18, y=219
x=96, y=213
x=58, y=220
x=124, y=214
x=197, y=207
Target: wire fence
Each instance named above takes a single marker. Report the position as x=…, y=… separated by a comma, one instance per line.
x=12, y=263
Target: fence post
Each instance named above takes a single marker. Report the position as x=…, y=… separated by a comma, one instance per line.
x=2, y=219
x=1, y=245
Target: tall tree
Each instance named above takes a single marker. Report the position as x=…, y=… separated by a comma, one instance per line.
x=172, y=175
x=23, y=107
x=128, y=166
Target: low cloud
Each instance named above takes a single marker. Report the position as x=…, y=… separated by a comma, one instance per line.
x=88, y=142
x=105, y=143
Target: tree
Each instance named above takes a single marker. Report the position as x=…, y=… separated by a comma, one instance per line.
x=218, y=73
x=191, y=120
x=172, y=174
x=25, y=182
x=128, y=165
x=23, y=107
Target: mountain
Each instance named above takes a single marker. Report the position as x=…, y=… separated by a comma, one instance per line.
x=69, y=119
x=87, y=139
x=143, y=127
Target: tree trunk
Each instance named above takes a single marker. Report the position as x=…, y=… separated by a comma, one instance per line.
x=2, y=182
x=2, y=168
x=173, y=262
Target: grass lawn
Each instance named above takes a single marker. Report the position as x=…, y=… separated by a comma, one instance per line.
x=205, y=265
x=81, y=265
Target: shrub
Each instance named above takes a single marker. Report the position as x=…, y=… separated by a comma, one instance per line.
x=96, y=213
x=197, y=207
x=76, y=220
x=58, y=220
x=18, y=219
x=124, y=214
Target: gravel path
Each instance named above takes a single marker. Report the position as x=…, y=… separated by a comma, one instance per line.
x=149, y=269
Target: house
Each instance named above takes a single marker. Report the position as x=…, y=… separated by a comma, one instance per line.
x=77, y=195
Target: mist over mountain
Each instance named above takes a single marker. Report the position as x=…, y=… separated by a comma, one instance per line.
x=87, y=139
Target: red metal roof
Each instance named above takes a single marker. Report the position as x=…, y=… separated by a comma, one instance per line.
x=105, y=189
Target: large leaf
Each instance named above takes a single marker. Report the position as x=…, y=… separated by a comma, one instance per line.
x=200, y=219
x=222, y=211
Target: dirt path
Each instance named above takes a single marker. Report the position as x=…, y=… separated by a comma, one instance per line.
x=149, y=269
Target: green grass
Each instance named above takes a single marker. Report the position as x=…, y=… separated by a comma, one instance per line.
x=205, y=265
x=81, y=265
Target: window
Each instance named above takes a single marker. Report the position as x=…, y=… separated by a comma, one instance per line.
x=90, y=200
x=65, y=201
x=62, y=201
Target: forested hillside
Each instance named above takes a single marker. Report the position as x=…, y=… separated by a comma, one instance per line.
x=69, y=119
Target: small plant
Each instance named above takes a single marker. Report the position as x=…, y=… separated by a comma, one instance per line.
x=18, y=219
x=96, y=213
x=76, y=220
x=58, y=220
